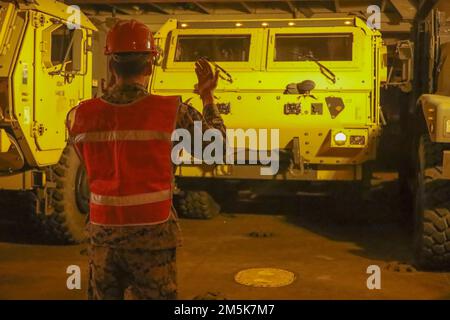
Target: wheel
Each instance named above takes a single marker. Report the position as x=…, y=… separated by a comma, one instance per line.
x=68, y=201
x=197, y=205
x=225, y=193
x=431, y=208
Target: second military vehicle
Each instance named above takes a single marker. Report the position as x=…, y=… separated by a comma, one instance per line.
x=316, y=80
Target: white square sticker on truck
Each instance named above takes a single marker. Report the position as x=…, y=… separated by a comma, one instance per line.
x=26, y=115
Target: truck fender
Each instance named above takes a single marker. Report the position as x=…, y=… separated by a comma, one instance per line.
x=435, y=114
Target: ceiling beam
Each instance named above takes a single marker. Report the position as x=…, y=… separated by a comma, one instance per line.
x=306, y=11
x=406, y=8
x=425, y=6
x=117, y=9
x=201, y=7
x=113, y=9
x=157, y=8
x=337, y=6
x=137, y=9
x=246, y=7
x=292, y=8
x=383, y=5
x=105, y=2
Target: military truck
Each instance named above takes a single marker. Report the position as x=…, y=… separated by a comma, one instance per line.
x=45, y=70
x=317, y=80
x=427, y=165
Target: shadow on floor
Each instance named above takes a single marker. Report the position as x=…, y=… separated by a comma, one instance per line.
x=378, y=225
x=16, y=226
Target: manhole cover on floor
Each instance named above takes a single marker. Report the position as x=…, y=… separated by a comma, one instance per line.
x=264, y=277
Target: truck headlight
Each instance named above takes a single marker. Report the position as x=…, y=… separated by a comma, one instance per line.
x=349, y=138
x=340, y=138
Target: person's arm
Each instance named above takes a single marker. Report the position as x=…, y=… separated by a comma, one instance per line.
x=207, y=83
x=70, y=121
x=211, y=118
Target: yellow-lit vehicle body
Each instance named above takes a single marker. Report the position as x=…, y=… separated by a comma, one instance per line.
x=263, y=58
x=45, y=70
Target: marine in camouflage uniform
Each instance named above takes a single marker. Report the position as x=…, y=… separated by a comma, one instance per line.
x=139, y=262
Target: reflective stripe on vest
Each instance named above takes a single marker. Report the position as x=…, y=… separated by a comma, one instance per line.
x=126, y=151
x=130, y=135
x=132, y=200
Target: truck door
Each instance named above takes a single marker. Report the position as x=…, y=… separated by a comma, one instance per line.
x=58, y=85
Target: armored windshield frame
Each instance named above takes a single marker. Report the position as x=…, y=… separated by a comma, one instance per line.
x=291, y=47
x=361, y=43
x=251, y=60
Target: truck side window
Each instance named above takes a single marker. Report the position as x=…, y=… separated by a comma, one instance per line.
x=215, y=47
x=325, y=47
x=60, y=42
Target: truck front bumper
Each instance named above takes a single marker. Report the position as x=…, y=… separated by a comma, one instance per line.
x=253, y=172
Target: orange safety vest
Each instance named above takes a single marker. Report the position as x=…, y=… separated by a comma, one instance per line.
x=126, y=151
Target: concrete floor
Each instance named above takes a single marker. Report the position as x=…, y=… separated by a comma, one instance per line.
x=327, y=245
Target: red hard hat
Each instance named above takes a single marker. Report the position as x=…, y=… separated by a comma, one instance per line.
x=130, y=36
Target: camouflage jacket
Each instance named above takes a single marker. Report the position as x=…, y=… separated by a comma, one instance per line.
x=165, y=235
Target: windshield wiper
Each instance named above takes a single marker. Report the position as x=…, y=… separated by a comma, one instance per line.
x=324, y=70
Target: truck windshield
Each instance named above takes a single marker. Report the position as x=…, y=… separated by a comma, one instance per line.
x=324, y=47
x=214, y=47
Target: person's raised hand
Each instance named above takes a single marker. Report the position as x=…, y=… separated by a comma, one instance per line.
x=207, y=79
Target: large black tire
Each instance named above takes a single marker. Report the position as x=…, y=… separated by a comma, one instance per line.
x=68, y=201
x=197, y=205
x=431, y=208
x=225, y=193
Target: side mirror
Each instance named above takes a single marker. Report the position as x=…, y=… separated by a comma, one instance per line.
x=401, y=71
x=77, y=51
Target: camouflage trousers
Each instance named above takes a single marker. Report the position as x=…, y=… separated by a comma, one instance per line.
x=131, y=274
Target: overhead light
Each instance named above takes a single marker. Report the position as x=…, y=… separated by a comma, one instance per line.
x=348, y=22
x=291, y=24
x=264, y=24
x=238, y=24
x=184, y=25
